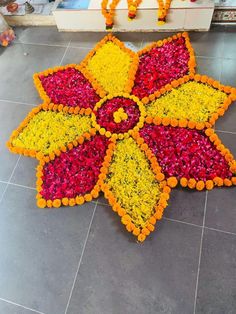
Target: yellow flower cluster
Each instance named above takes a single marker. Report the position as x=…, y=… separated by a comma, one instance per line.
x=132, y=182
x=110, y=66
x=120, y=115
x=193, y=101
x=49, y=130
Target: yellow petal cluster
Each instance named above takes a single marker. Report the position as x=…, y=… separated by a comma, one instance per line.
x=193, y=101
x=49, y=130
x=132, y=182
x=120, y=115
x=110, y=66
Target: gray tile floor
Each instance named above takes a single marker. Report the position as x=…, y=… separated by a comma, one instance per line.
x=80, y=260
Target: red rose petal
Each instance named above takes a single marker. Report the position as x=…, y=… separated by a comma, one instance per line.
x=185, y=153
x=160, y=66
x=76, y=171
x=105, y=114
x=69, y=87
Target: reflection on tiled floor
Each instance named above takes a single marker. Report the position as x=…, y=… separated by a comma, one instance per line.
x=80, y=260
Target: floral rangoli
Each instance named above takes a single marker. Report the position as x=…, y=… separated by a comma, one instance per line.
x=132, y=125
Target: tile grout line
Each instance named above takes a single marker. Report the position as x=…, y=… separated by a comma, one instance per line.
x=8, y=182
x=65, y=52
x=20, y=185
x=221, y=63
x=221, y=231
x=182, y=222
x=200, y=254
x=81, y=257
x=213, y=58
x=59, y=46
x=227, y=132
x=17, y=102
x=20, y=305
x=40, y=44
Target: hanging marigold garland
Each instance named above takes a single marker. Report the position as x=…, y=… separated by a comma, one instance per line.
x=163, y=7
x=109, y=13
x=132, y=8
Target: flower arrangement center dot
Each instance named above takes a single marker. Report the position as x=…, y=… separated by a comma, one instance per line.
x=118, y=114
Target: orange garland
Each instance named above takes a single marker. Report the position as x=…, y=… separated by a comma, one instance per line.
x=162, y=11
x=132, y=8
x=109, y=13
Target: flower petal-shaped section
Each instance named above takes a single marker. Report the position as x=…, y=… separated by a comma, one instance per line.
x=199, y=99
x=71, y=177
x=132, y=187
x=68, y=85
x=48, y=128
x=163, y=62
x=112, y=65
x=191, y=156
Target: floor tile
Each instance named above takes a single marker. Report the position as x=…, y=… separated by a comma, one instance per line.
x=221, y=209
x=228, y=76
x=102, y=199
x=2, y=189
x=75, y=55
x=8, y=308
x=86, y=39
x=118, y=275
x=227, y=122
x=17, y=82
x=40, y=250
x=46, y=35
x=230, y=28
x=25, y=172
x=131, y=40
x=230, y=45
x=186, y=205
x=209, y=67
x=10, y=117
x=208, y=44
x=217, y=281
x=229, y=141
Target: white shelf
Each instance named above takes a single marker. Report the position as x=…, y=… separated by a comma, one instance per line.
x=183, y=15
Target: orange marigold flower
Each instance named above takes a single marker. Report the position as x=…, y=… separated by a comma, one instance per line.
x=172, y=182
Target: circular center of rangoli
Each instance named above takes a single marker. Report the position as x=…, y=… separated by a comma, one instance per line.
x=119, y=114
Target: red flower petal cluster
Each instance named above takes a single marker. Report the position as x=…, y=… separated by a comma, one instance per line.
x=105, y=116
x=76, y=171
x=160, y=66
x=69, y=87
x=185, y=153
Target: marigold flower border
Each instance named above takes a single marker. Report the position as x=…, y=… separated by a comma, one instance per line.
x=231, y=91
x=165, y=189
x=108, y=134
x=165, y=184
x=46, y=107
x=132, y=54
